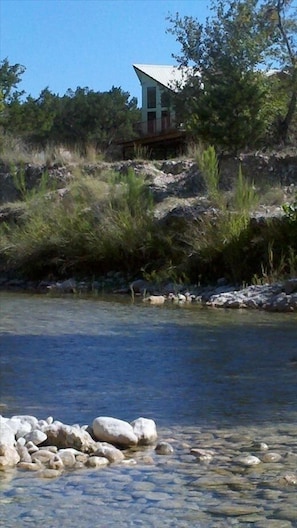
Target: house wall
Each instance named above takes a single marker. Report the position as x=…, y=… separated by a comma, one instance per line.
x=160, y=120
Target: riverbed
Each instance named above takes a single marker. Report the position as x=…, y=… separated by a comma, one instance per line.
x=214, y=379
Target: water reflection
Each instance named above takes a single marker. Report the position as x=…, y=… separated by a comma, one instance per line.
x=76, y=359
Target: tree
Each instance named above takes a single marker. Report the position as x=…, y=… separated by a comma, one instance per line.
x=228, y=98
x=10, y=77
x=280, y=17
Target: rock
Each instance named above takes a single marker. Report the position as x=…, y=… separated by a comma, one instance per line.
x=64, y=436
x=203, y=455
x=24, y=453
x=9, y=456
x=259, y=446
x=110, y=452
x=290, y=479
x=114, y=431
x=32, y=420
x=7, y=435
x=36, y=436
x=145, y=430
x=29, y=466
x=43, y=456
x=67, y=457
x=155, y=299
x=164, y=448
x=271, y=457
x=290, y=286
x=96, y=462
x=32, y=448
x=50, y=473
x=248, y=460
x=55, y=462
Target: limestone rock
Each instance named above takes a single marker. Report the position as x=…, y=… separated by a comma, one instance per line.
x=155, y=299
x=96, y=462
x=36, y=436
x=110, y=452
x=7, y=435
x=43, y=456
x=67, y=457
x=115, y=431
x=9, y=456
x=145, y=430
x=64, y=436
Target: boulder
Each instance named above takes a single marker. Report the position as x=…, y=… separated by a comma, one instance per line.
x=155, y=299
x=36, y=436
x=64, y=436
x=145, y=430
x=114, y=431
x=109, y=451
x=7, y=435
x=9, y=456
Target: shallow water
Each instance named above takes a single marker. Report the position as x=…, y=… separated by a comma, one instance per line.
x=209, y=378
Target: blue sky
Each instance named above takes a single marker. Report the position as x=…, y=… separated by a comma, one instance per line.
x=68, y=43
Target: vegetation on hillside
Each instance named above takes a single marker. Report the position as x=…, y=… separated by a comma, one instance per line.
x=105, y=222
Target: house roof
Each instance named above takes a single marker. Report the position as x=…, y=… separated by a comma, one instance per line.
x=168, y=76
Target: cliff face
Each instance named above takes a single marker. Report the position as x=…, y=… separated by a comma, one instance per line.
x=177, y=185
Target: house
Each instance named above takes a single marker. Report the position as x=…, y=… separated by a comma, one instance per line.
x=158, y=84
x=158, y=130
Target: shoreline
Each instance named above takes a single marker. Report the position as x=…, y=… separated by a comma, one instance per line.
x=276, y=297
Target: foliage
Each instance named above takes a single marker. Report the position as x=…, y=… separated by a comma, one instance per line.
x=78, y=119
x=228, y=100
x=208, y=163
x=10, y=77
x=97, y=225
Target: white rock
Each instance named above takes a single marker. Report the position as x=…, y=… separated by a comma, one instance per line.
x=36, y=436
x=67, y=458
x=96, y=462
x=42, y=455
x=145, y=430
x=110, y=452
x=32, y=420
x=155, y=299
x=118, y=432
x=248, y=460
x=7, y=435
x=9, y=456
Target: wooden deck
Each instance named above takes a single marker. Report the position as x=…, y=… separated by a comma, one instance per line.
x=165, y=144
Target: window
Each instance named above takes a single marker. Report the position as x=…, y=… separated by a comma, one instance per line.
x=151, y=122
x=151, y=97
x=165, y=99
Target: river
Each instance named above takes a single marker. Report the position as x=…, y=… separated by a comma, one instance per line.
x=209, y=378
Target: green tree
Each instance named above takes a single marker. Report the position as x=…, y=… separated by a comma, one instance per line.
x=10, y=77
x=229, y=100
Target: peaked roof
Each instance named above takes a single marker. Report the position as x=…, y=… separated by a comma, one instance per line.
x=168, y=76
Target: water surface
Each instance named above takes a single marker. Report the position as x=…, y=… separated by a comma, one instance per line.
x=184, y=366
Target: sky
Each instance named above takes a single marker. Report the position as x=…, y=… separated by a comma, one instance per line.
x=89, y=43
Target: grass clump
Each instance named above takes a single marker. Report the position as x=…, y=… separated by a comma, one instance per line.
x=94, y=227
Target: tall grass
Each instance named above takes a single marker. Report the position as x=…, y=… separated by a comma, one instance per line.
x=97, y=225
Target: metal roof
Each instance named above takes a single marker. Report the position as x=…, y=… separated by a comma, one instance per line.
x=168, y=76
